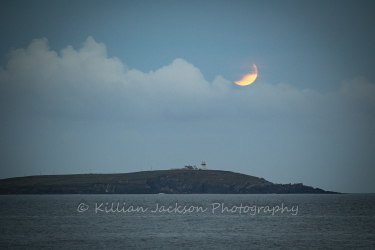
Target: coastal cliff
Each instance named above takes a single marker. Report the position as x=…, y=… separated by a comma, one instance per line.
x=151, y=182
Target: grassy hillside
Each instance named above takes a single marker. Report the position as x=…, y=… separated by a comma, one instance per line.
x=147, y=182
x=134, y=178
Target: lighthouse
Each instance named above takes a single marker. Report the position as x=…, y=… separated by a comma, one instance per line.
x=203, y=165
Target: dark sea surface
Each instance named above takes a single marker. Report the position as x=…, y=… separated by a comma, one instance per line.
x=312, y=221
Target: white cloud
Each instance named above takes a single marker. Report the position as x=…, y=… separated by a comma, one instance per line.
x=85, y=83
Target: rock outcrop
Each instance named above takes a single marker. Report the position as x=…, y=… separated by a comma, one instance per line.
x=151, y=182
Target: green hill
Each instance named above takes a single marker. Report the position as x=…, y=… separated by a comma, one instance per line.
x=150, y=182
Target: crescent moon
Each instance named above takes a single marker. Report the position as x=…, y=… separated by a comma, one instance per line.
x=249, y=78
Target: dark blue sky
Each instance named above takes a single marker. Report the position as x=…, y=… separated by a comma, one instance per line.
x=121, y=86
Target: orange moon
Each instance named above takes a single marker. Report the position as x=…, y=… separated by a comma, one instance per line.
x=250, y=78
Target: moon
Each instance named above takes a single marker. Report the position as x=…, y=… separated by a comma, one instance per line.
x=249, y=78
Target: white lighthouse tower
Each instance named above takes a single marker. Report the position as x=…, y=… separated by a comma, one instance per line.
x=203, y=165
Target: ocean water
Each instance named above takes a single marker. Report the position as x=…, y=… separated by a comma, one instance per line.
x=162, y=221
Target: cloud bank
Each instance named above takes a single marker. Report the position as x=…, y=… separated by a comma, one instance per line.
x=86, y=84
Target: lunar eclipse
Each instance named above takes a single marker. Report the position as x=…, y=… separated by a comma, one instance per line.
x=249, y=78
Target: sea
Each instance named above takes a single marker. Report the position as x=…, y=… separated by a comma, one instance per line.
x=196, y=221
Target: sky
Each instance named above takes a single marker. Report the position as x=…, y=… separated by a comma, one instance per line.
x=126, y=86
